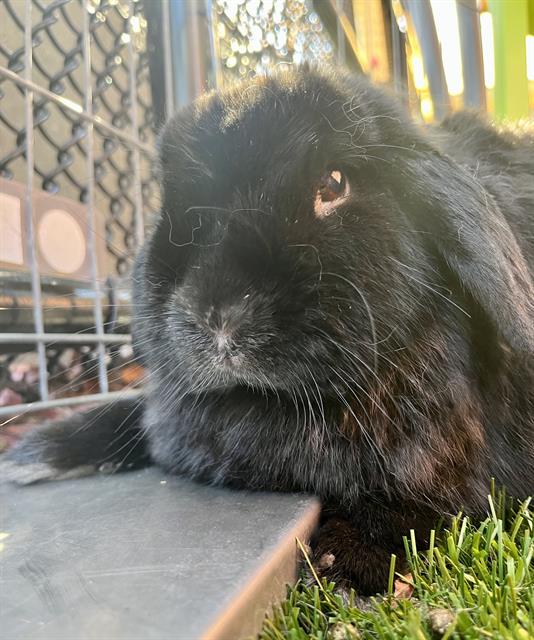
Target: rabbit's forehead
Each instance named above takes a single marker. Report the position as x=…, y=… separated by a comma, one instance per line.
x=262, y=114
x=269, y=132
x=268, y=127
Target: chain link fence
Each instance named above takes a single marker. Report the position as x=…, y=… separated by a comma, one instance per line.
x=77, y=131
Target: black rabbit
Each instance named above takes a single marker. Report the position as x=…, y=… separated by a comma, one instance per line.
x=333, y=299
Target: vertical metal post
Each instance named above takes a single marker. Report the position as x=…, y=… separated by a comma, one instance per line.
x=134, y=117
x=396, y=62
x=91, y=214
x=28, y=204
x=472, y=62
x=167, y=58
x=196, y=62
x=423, y=21
x=214, y=75
x=341, y=53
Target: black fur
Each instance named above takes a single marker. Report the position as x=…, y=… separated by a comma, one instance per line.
x=380, y=357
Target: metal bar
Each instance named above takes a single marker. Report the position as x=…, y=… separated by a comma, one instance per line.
x=134, y=116
x=214, y=72
x=71, y=338
x=90, y=204
x=425, y=29
x=472, y=61
x=167, y=59
x=28, y=208
x=74, y=107
x=21, y=409
x=341, y=53
x=350, y=52
x=196, y=70
x=397, y=62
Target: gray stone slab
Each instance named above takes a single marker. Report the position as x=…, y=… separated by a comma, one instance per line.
x=144, y=556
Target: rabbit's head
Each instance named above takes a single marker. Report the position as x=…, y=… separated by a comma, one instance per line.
x=308, y=232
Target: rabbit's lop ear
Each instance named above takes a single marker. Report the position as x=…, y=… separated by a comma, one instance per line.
x=469, y=231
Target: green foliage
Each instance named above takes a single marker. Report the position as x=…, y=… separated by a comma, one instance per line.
x=476, y=580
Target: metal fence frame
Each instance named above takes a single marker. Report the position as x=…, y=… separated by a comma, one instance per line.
x=39, y=338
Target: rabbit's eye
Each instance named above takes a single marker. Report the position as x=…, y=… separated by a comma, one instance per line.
x=332, y=188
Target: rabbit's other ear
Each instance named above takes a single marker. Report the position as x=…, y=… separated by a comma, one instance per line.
x=471, y=234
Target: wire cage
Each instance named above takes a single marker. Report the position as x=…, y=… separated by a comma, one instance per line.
x=77, y=130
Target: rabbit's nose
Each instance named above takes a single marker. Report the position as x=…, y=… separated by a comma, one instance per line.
x=225, y=344
x=227, y=351
x=220, y=323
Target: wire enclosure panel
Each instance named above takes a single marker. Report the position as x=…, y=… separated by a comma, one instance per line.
x=77, y=132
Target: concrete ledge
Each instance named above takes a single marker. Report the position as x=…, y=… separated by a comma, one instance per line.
x=144, y=556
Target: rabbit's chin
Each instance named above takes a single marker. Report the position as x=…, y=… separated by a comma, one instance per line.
x=239, y=372
x=232, y=372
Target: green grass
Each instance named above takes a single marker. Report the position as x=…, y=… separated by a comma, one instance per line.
x=475, y=581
